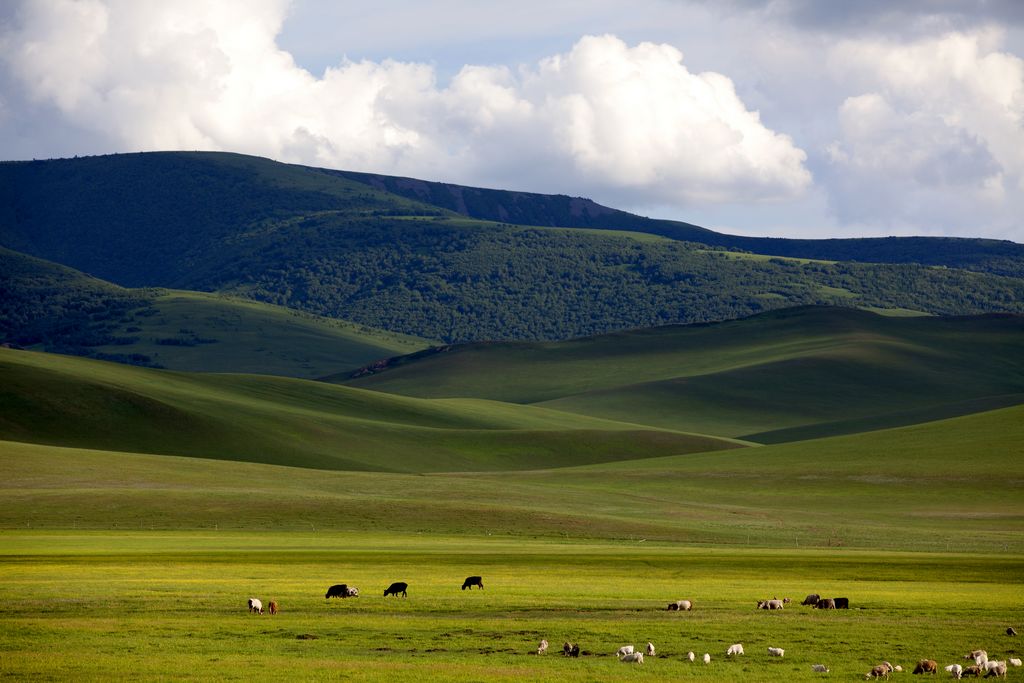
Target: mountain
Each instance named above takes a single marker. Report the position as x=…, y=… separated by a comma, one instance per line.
x=780, y=376
x=331, y=245
x=83, y=403
x=54, y=308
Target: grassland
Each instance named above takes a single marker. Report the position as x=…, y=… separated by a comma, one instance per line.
x=141, y=605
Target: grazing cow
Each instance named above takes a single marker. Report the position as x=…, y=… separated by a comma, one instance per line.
x=633, y=658
x=825, y=603
x=972, y=670
x=624, y=650
x=256, y=606
x=707, y=658
x=542, y=647
x=811, y=599
x=776, y=651
x=879, y=671
x=1010, y=631
x=650, y=651
x=680, y=606
x=842, y=603
x=955, y=670
x=998, y=670
x=473, y=581
x=272, y=607
x=734, y=649
x=819, y=668
x=926, y=666
x=341, y=590
x=690, y=656
x=396, y=588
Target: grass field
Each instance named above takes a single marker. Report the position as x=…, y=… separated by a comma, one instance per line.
x=100, y=606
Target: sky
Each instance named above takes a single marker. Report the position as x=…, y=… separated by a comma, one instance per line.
x=794, y=118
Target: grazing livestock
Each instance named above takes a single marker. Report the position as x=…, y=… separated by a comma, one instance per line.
x=542, y=647
x=680, y=606
x=819, y=668
x=926, y=666
x=811, y=599
x=396, y=588
x=825, y=603
x=769, y=604
x=650, y=649
x=342, y=590
x=272, y=607
x=624, y=650
x=1010, y=631
x=473, y=581
x=633, y=658
x=1014, y=661
x=974, y=654
x=998, y=670
x=570, y=650
x=690, y=656
x=955, y=670
x=575, y=651
x=256, y=606
x=786, y=601
x=776, y=651
x=566, y=648
x=707, y=658
x=842, y=603
x=734, y=649
x=972, y=670
x=879, y=671
x=993, y=664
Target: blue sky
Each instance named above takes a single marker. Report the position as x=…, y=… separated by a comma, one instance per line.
x=794, y=118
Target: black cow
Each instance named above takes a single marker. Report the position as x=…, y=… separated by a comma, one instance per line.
x=339, y=590
x=811, y=599
x=842, y=603
x=396, y=588
x=473, y=581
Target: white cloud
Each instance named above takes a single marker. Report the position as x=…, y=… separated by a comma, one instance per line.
x=605, y=118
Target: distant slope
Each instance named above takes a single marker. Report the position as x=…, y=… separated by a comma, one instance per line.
x=313, y=240
x=904, y=489
x=67, y=401
x=54, y=308
x=1001, y=257
x=784, y=375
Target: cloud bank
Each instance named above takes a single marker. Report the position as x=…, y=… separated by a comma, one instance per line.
x=630, y=122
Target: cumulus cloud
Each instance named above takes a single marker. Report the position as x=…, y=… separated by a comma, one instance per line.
x=605, y=118
x=936, y=137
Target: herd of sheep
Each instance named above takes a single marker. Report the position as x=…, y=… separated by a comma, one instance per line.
x=627, y=654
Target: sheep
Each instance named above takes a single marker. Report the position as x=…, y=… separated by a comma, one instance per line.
x=974, y=654
x=878, y=671
x=786, y=601
x=633, y=658
x=734, y=649
x=566, y=648
x=972, y=670
x=1014, y=661
x=897, y=668
x=811, y=599
x=981, y=659
x=624, y=650
x=819, y=668
x=353, y=592
x=707, y=658
x=776, y=651
x=690, y=656
x=998, y=670
x=542, y=647
x=680, y=606
x=1010, y=631
x=272, y=607
x=769, y=604
x=341, y=590
x=955, y=670
x=926, y=666
x=825, y=603
x=575, y=651
x=993, y=664
x=570, y=650
x=650, y=651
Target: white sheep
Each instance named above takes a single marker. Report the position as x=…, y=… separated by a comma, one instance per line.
x=690, y=656
x=955, y=670
x=734, y=649
x=993, y=664
x=1014, y=661
x=624, y=650
x=776, y=651
x=819, y=668
x=633, y=658
x=542, y=647
x=981, y=660
x=255, y=605
x=650, y=649
x=897, y=668
x=707, y=658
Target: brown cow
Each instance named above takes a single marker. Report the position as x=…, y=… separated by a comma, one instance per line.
x=273, y=607
x=926, y=666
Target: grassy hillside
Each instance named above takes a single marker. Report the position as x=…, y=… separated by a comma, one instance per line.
x=70, y=401
x=809, y=371
x=925, y=487
x=316, y=241
x=50, y=307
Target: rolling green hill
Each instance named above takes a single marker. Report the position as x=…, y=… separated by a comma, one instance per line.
x=313, y=240
x=49, y=307
x=949, y=485
x=779, y=376
x=68, y=401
